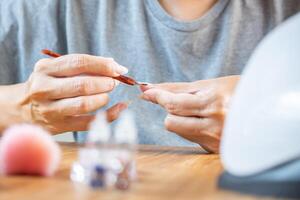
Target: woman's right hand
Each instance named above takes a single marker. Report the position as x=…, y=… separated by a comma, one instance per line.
x=62, y=92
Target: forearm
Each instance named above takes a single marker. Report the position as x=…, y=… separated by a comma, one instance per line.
x=12, y=107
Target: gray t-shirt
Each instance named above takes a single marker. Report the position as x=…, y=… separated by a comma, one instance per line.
x=141, y=35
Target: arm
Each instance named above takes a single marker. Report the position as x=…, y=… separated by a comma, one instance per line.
x=12, y=109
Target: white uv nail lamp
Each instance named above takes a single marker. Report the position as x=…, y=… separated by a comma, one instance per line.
x=260, y=147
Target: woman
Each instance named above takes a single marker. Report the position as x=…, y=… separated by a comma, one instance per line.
x=189, y=41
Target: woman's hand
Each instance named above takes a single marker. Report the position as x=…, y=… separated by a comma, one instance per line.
x=61, y=92
x=196, y=110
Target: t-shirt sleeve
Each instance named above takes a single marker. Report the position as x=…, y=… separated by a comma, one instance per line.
x=284, y=9
x=8, y=44
x=26, y=27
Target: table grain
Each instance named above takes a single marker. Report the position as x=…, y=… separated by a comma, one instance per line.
x=163, y=173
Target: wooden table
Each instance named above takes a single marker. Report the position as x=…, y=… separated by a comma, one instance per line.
x=163, y=173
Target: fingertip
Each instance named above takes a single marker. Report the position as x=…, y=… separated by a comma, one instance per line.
x=151, y=95
x=114, y=112
x=122, y=106
x=122, y=70
x=114, y=69
x=119, y=69
x=144, y=88
x=116, y=83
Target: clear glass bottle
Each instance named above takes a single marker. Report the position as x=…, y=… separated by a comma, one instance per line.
x=126, y=139
x=107, y=161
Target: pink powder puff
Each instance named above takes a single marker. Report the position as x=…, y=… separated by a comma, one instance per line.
x=28, y=149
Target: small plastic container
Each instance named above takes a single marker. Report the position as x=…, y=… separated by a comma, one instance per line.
x=106, y=161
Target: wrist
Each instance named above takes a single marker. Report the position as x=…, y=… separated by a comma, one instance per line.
x=14, y=105
x=23, y=103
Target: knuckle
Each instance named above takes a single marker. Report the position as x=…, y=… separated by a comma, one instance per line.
x=78, y=62
x=82, y=105
x=168, y=123
x=214, y=129
x=35, y=85
x=110, y=85
x=44, y=111
x=196, y=131
x=171, y=107
x=33, y=77
x=214, y=137
x=40, y=64
x=82, y=86
x=219, y=110
x=40, y=113
x=218, y=131
x=105, y=98
x=222, y=113
x=54, y=129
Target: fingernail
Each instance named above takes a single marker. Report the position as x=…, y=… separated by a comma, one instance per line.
x=116, y=82
x=146, y=87
x=121, y=69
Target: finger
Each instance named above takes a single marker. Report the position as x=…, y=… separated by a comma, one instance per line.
x=204, y=131
x=80, y=86
x=186, y=126
x=114, y=112
x=181, y=104
x=144, y=88
x=77, y=105
x=81, y=122
x=73, y=123
x=75, y=64
x=183, y=87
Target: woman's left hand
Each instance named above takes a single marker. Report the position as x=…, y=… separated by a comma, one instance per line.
x=196, y=110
